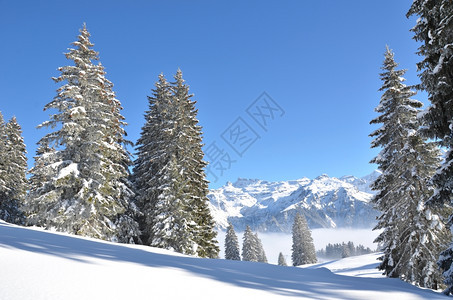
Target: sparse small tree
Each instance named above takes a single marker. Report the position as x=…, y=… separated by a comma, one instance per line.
x=281, y=260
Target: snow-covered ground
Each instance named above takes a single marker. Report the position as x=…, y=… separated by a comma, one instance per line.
x=37, y=264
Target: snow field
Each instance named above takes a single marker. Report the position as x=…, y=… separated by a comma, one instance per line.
x=37, y=264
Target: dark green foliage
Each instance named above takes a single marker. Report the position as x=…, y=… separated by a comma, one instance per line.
x=252, y=248
x=303, y=249
x=79, y=183
x=231, y=244
x=169, y=174
x=412, y=234
x=281, y=260
x=434, y=29
x=341, y=250
x=13, y=167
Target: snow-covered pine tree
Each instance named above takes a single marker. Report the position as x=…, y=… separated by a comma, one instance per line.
x=412, y=234
x=159, y=181
x=261, y=254
x=345, y=252
x=231, y=244
x=152, y=151
x=79, y=183
x=193, y=166
x=281, y=260
x=249, y=246
x=170, y=221
x=13, y=166
x=434, y=29
x=303, y=249
x=3, y=168
x=14, y=174
x=170, y=168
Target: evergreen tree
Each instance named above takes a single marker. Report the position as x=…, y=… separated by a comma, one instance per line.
x=260, y=254
x=434, y=29
x=4, y=189
x=231, y=244
x=281, y=260
x=15, y=167
x=412, y=234
x=192, y=166
x=169, y=174
x=79, y=183
x=345, y=252
x=249, y=246
x=303, y=249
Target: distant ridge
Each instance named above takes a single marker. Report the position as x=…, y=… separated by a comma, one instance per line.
x=327, y=202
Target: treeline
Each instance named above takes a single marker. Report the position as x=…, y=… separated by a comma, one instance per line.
x=342, y=250
x=81, y=181
x=303, y=249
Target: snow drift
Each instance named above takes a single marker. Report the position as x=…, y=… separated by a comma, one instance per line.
x=44, y=265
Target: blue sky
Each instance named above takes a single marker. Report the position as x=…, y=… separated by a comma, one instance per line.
x=318, y=61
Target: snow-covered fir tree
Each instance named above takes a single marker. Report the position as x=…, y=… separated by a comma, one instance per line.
x=303, y=249
x=231, y=244
x=193, y=165
x=249, y=247
x=13, y=168
x=169, y=174
x=412, y=234
x=434, y=29
x=261, y=254
x=252, y=247
x=3, y=169
x=281, y=260
x=152, y=149
x=79, y=183
x=16, y=169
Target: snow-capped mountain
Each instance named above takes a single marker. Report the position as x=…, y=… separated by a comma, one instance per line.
x=326, y=202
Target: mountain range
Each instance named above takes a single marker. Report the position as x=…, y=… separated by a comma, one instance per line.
x=326, y=202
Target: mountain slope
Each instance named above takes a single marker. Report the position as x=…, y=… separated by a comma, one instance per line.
x=43, y=265
x=327, y=202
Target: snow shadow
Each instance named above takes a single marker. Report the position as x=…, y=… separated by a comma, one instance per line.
x=288, y=281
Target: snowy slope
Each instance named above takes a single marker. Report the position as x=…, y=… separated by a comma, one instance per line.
x=327, y=202
x=37, y=264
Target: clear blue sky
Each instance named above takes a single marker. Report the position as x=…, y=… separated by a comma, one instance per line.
x=318, y=60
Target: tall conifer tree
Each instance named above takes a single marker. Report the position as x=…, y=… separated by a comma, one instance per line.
x=169, y=175
x=13, y=168
x=79, y=183
x=303, y=249
x=231, y=244
x=412, y=233
x=434, y=29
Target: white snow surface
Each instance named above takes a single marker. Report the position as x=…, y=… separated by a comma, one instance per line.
x=71, y=168
x=38, y=264
x=327, y=202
